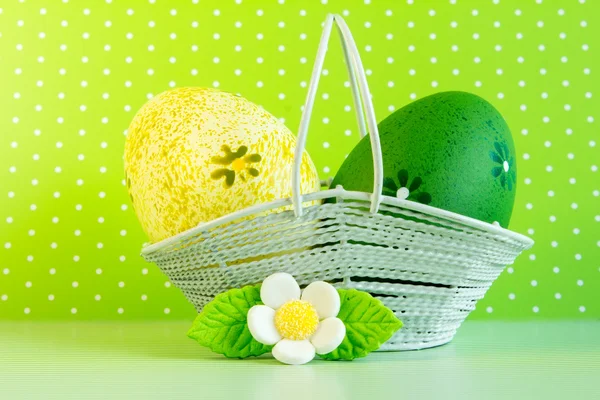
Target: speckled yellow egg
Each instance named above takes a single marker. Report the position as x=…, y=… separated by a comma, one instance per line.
x=196, y=154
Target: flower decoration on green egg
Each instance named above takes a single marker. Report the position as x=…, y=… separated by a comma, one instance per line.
x=239, y=162
x=294, y=325
x=505, y=170
x=404, y=190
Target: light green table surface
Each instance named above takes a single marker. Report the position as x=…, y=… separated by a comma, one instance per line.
x=529, y=360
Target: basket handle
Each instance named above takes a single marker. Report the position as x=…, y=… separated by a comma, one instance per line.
x=360, y=91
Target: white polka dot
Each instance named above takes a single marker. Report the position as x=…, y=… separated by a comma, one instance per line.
x=511, y=296
x=536, y=309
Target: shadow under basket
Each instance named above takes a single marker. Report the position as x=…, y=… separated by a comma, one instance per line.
x=428, y=265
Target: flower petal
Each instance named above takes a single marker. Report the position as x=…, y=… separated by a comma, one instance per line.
x=324, y=298
x=241, y=152
x=329, y=335
x=388, y=183
x=403, y=177
x=415, y=184
x=500, y=150
x=495, y=157
x=278, y=289
x=294, y=352
x=261, y=323
x=424, y=198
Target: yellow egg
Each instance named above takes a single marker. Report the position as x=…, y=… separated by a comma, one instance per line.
x=196, y=154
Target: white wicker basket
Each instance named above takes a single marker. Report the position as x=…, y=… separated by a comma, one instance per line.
x=428, y=265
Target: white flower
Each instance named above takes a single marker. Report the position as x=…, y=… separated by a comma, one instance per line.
x=300, y=325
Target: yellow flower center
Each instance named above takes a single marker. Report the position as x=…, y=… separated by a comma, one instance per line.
x=296, y=320
x=238, y=165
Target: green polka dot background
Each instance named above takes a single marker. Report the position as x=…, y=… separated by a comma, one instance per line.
x=74, y=73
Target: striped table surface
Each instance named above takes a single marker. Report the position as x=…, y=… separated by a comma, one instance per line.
x=157, y=361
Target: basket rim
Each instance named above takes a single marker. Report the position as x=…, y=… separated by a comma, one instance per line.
x=339, y=192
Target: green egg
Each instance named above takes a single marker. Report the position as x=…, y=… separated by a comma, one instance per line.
x=451, y=150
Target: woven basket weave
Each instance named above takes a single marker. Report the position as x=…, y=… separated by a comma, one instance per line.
x=428, y=265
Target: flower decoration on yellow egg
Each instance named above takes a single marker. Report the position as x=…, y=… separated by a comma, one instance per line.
x=300, y=325
x=238, y=161
x=295, y=325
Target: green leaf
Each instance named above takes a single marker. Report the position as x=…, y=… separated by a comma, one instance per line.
x=222, y=326
x=368, y=322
